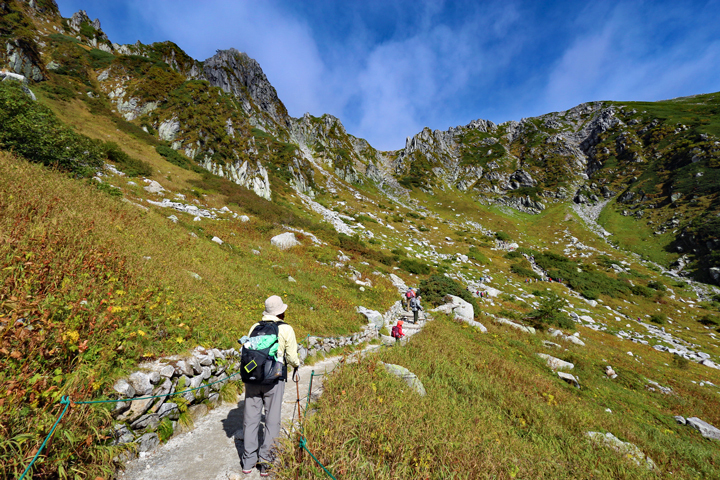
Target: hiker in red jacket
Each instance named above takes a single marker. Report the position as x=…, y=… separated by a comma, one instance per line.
x=397, y=332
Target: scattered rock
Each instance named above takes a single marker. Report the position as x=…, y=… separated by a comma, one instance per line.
x=408, y=377
x=517, y=326
x=610, y=372
x=705, y=429
x=569, y=378
x=284, y=240
x=556, y=363
x=291, y=279
x=217, y=240
x=153, y=187
x=627, y=449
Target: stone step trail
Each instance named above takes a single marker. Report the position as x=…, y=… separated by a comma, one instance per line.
x=212, y=450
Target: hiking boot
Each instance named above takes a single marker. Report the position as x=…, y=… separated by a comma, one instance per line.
x=264, y=469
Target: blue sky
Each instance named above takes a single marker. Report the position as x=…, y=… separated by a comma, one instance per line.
x=389, y=68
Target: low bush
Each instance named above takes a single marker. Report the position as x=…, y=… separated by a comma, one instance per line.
x=658, y=318
x=549, y=313
x=709, y=320
x=659, y=286
x=435, y=287
x=131, y=166
x=33, y=131
x=177, y=159
x=641, y=291
x=523, y=270
x=502, y=236
x=414, y=266
x=478, y=256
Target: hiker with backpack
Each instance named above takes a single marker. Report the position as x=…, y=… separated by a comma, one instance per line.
x=268, y=349
x=397, y=332
x=408, y=295
x=415, y=307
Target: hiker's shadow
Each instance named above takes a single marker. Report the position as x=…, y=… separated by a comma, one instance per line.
x=233, y=427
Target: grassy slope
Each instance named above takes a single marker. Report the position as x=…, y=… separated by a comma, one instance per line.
x=493, y=410
x=65, y=242
x=485, y=412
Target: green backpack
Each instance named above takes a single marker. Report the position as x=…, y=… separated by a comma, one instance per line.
x=258, y=358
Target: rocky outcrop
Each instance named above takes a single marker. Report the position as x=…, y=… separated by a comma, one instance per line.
x=236, y=73
x=253, y=177
x=22, y=58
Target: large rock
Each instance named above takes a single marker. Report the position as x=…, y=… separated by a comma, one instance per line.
x=169, y=409
x=456, y=306
x=153, y=187
x=137, y=409
x=407, y=376
x=373, y=316
x=705, y=429
x=569, y=378
x=398, y=283
x=516, y=326
x=169, y=129
x=141, y=383
x=555, y=363
x=627, y=449
x=284, y=240
x=124, y=389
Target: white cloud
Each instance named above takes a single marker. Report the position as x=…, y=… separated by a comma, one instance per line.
x=623, y=60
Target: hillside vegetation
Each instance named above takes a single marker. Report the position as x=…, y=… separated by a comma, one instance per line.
x=140, y=192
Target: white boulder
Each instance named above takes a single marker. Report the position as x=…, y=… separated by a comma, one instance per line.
x=284, y=240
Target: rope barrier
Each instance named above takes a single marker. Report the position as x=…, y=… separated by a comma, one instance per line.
x=303, y=444
x=63, y=401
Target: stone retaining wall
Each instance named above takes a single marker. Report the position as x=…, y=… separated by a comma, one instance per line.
x=137, y=421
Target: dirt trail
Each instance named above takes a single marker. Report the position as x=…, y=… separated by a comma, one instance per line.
x=212, y=450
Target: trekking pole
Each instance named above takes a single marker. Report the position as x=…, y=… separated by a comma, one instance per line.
x=298, y=433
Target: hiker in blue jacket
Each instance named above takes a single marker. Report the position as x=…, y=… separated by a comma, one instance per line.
x=415, y=307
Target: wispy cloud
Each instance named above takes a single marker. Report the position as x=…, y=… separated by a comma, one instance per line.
x=628, y=59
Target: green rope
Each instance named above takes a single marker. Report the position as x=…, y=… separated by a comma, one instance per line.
x=63, y=401
x=303, y=444
x=157, y=396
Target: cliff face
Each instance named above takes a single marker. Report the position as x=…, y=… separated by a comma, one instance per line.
x=236, y=73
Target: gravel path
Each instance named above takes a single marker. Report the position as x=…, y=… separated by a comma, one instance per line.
x=212, y=450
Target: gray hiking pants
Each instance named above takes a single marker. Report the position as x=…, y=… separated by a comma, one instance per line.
x=257, y=397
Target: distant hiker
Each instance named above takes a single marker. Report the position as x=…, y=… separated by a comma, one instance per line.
x=415, y=307
x=397, y=332
x=277, y=349
x=408, y=295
